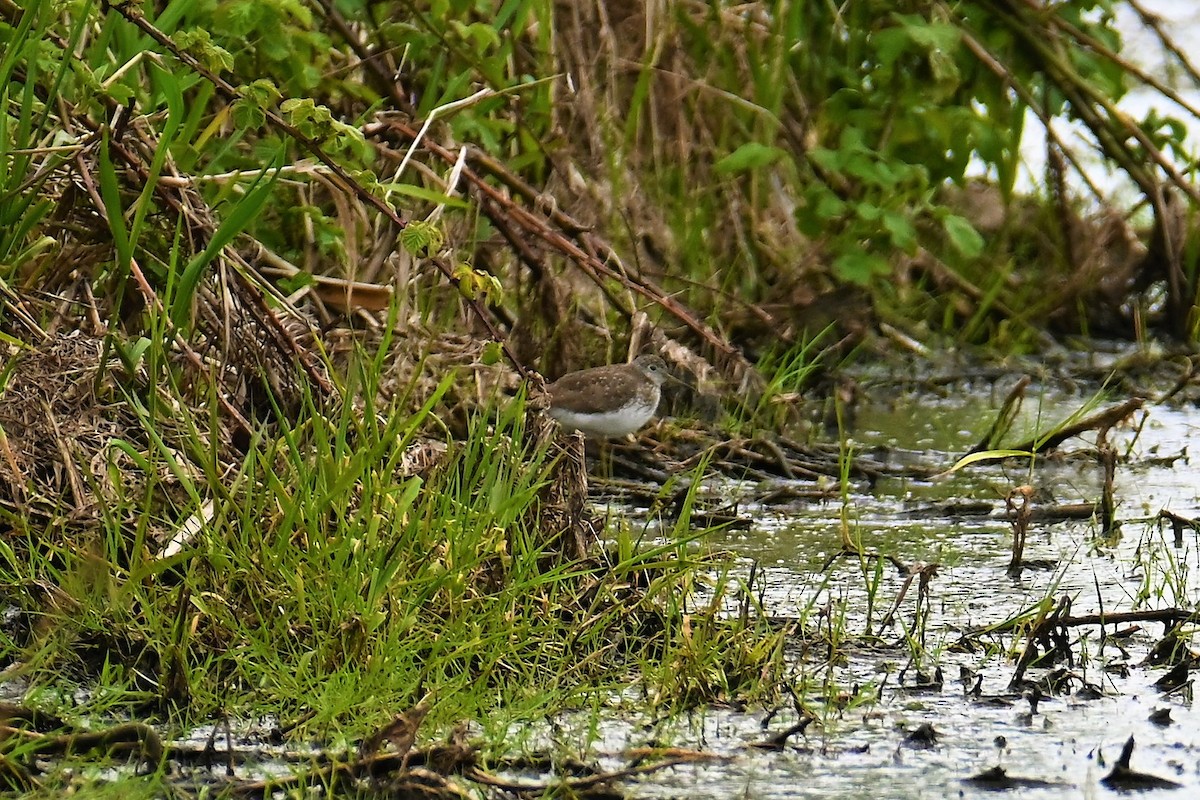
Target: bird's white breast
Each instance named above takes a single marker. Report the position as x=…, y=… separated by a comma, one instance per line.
x=627, y=419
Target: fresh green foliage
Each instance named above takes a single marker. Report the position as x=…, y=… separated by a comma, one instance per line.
x=199, y=43
x=422, y=239
x=256, y=98
x=318, y=123
x=810, y=145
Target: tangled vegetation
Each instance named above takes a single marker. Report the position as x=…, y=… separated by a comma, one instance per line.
x=276, y=276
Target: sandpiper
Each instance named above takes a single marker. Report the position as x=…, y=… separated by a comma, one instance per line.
x=609, y=401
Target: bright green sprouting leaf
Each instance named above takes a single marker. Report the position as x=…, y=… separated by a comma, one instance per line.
x=859, y=267
x=349, y=139
x=370, y=181
x=198, y=43
x=750, y=155
x=963, y=236
x=477, y=284
x=901, y=232
x=493, y=292
x=422, y=239
x=492, y=353
x=317, y=122
x=464, y=276
x=261, y=93
x=249, y=110
x=312, y=120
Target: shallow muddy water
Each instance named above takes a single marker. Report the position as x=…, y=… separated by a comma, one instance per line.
x=1075, y=736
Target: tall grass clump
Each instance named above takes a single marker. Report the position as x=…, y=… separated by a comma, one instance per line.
x=323, y=579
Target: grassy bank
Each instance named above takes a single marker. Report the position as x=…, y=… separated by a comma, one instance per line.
x=327, y=579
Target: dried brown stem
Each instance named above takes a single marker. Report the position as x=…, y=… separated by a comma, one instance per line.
x=1101, y=420
x=1020, y=512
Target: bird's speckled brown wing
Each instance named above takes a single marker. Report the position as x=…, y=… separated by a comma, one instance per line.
x=591, y=391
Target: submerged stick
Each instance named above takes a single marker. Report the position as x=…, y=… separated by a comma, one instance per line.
x=1101, y=420
x=1124, y=778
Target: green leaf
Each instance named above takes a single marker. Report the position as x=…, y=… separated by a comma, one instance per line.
x=867, y=211
x=492, y=353
x=119, y=92
x=963, y=236
x=900, y=230
x=931, y=36
x=261, y=93
x=422, y=239
x=245, y=211
x=829, y=206
x=866, y=168
x=889, y=44
x=751, y=155
x=477, y=284
x=110, y=193
x=860, y=267
x=131, y=354
x=315, y=121
x=198, y=43
x=829, y=160
x=247, y=114
x=480, y=35
x=173, y=95
x=294, y=283
x=430, y=195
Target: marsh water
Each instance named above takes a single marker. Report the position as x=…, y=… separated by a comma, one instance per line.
x=1071, y=740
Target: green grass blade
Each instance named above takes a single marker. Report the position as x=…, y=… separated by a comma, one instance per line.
x=241, y=216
